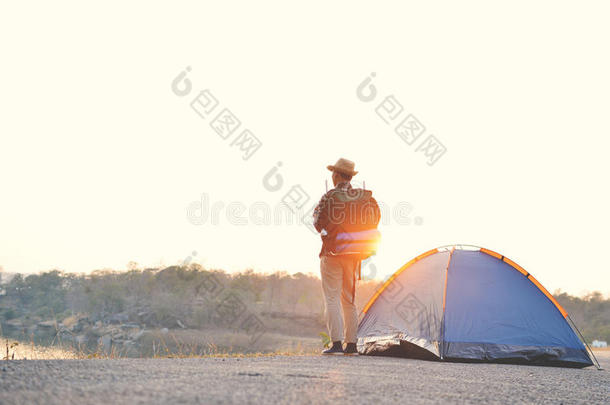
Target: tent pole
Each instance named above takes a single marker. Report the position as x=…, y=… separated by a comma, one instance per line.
x=442, y=348
x=589, y=351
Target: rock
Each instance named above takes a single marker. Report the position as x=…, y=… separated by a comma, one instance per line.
x=98, y=331
x=80, y=325
x=164, y=331
x=137, y=334
x=118, y=318
x=13, y=324
x=179, y=322
x=147, y=318
x=48, y=325
x=130, y=325
x=118, y=335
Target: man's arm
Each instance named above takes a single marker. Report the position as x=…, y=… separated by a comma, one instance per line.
x=320, y=214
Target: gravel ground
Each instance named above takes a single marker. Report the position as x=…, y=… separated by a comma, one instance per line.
x=295, y=379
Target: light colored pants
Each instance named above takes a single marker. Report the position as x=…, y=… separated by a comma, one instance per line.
x=338, y=278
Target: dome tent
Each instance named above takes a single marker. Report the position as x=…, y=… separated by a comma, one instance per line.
x=469, y=304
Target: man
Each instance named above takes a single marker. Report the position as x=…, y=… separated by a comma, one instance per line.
x=346, y=218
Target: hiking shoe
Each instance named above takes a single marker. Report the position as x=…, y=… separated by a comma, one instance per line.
x=335, y=349
x=351, y=349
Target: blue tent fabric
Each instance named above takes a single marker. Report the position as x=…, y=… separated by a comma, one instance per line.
x=466, y=305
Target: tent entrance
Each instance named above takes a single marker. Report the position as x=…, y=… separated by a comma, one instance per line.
x=395, y=346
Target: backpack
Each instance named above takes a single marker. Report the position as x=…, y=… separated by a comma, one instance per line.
x=353, y=218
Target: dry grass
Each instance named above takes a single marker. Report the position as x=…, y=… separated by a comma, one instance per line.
x=183, y=344
x=18, y=350
x=222, y=343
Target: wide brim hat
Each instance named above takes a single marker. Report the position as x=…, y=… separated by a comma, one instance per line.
x=343, y=166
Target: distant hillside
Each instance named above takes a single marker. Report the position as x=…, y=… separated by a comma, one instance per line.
x=131, y=310
x=591, y=314
x=117, y=308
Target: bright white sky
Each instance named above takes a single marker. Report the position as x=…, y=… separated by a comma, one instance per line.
x=99, y=159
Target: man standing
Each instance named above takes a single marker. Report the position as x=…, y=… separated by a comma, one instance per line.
x=347, y=219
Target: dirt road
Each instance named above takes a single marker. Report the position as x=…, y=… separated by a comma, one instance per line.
x=295, y=379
